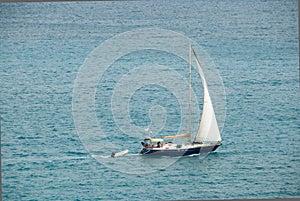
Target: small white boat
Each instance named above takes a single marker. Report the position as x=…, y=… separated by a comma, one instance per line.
x=118, y=154
x=207, y=138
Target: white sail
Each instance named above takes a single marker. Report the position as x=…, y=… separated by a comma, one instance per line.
x=208, y=130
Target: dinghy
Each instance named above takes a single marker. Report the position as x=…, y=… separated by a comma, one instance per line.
x=118, y=154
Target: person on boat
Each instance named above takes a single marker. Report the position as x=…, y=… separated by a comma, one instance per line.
x=145, y=144
x=158, y=144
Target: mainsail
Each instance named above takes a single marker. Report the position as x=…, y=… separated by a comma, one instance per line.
x=208, y=130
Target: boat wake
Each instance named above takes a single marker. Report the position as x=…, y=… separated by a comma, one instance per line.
x=115, y=155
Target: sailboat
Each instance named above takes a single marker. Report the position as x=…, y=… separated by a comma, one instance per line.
x=207, y=138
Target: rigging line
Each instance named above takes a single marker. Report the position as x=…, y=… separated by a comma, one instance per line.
x=204, y=87
x=190, y=92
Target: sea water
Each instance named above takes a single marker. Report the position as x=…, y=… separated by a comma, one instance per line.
x=44, y=46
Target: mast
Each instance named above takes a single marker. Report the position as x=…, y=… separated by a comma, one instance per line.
x=0, y=158
x=190, y=93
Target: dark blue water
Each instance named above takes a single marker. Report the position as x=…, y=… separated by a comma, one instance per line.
x=254, y=46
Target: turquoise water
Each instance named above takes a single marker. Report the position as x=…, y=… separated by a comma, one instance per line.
x=254, y=46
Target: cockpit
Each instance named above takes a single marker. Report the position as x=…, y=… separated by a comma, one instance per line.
x=152, y=142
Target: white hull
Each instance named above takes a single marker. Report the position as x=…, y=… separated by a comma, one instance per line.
x=179, y=150
x=118, y=154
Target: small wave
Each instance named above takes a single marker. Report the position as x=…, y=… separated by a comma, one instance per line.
x=42, y=159
x=109, y=156
x=132, y=155
x=101, y=156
